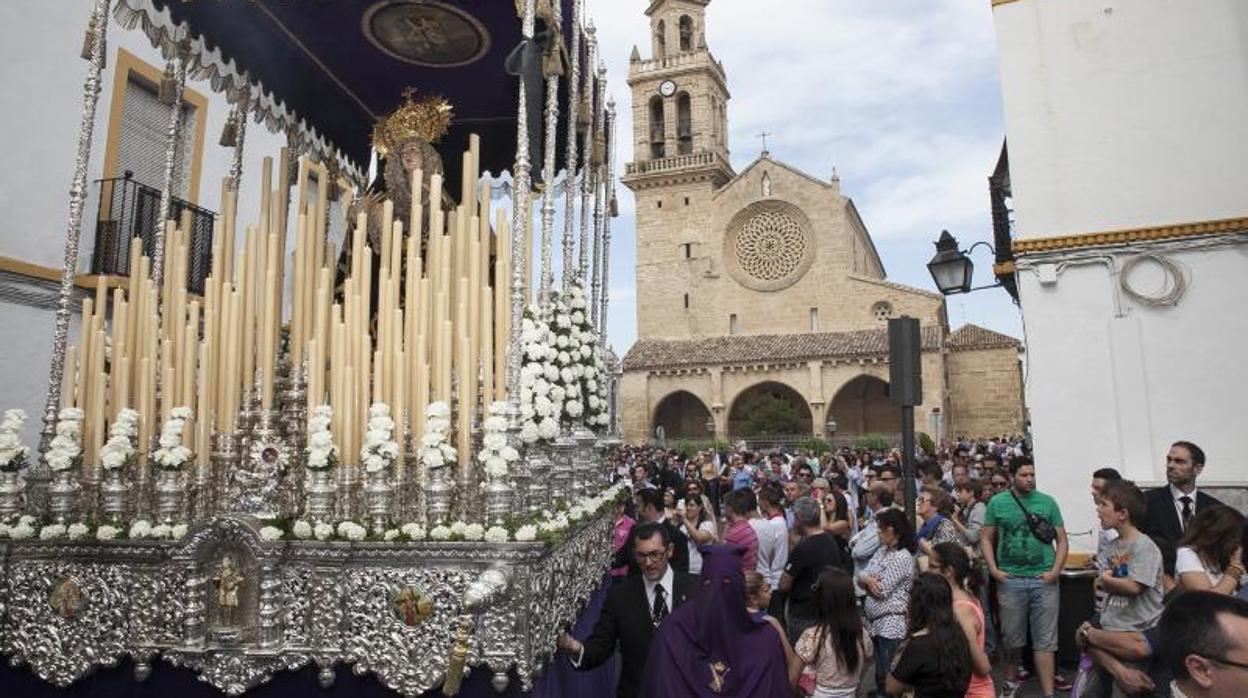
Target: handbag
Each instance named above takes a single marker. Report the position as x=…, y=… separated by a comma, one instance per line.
x=1039, y=526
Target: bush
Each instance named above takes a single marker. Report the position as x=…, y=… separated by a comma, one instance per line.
x=814, y=445
x=688, y=449
x=926, y=443
x=872, y=442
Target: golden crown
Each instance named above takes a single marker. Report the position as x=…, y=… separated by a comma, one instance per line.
x=427, y=118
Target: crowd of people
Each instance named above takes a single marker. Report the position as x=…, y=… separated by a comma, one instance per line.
x=785, y=573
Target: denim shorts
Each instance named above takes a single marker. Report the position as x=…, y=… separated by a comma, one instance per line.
x=1028, y=602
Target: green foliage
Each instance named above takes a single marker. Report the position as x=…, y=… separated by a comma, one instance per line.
x=815, y=445
x=872, y=442
x=769, y=414
x=926, y=443
x=688, y=448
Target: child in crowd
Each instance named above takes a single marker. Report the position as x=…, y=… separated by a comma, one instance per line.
x=837, y=647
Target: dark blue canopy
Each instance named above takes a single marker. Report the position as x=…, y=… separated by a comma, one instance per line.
x=340, y=65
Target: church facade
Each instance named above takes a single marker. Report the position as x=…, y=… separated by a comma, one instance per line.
x=765, y=285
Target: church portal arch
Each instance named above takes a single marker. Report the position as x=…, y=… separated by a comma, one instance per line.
x=770, y=408
x=682, y=415
x=862, y=407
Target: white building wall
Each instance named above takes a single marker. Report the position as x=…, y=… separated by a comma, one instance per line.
x=42, y=76
x=1125, y=115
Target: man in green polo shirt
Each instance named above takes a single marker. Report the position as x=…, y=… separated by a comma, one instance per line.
x=1027, y=571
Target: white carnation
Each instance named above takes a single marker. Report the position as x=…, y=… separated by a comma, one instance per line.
x=323, y=531
x=440, y=533
x=496, y=534
x=474, y=532
x=78, y=530
x=51, y=531
x=302, y=530
x=107, y=532
x=271, y=533
x=526, y=533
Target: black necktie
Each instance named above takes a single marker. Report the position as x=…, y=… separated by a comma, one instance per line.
x=1186, y=501
x=660, y=606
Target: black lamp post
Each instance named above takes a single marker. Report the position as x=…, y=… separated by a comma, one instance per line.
x=952, y=268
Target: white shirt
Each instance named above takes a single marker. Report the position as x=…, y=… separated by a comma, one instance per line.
x=665, y=582
x=1186, y=560
x=773, y=548
x=1178, y=506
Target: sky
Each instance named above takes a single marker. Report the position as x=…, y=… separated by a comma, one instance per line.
x=900, y=97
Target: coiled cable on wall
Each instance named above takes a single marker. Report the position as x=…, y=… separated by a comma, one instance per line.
x=1172, y=290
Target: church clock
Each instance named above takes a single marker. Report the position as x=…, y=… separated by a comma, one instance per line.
x=667, y=88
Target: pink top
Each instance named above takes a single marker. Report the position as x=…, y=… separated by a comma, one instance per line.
x=829, y=673
x=741, y=533
x=980, y=686
x=623, y=527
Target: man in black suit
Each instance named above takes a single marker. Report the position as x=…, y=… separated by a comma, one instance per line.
x=634, y=610
x=650, y=510
x=1172, y=506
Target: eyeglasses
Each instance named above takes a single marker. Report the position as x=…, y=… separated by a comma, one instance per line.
x=1228, y=662
x=651, y=556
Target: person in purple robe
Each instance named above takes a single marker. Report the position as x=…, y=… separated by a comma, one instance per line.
x=713, y=646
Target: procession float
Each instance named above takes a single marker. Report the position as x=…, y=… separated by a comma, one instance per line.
x=384, y=455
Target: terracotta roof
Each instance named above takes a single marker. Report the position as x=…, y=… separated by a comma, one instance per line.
x=976, y=337
x=771, y=348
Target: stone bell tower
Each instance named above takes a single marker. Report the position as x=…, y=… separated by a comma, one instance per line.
x=680, y=157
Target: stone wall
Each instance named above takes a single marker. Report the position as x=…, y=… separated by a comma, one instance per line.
x=985, y=392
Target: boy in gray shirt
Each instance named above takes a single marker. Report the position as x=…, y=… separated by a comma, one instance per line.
x=1133, y=584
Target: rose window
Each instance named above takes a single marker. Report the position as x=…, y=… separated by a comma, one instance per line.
x=769, y=245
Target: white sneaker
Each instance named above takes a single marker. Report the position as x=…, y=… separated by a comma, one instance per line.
x=1009, y=689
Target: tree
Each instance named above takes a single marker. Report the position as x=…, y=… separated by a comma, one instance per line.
x=770, y=414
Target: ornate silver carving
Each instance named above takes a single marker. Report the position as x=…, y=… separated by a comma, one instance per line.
x=587, y=150
x=170, y=496
x=600, y=177
x=520, y=216
x=319, y=490
x=550, y=117
x=62, y=495
x=12, y=489
x=70, y=606
x=498, y=496
x=114, y=493
x=252, y=487
x=574, y=98
x=606, y=226
x=439, y=493
x=173, y=138
x=377, y=493
x=39, y=473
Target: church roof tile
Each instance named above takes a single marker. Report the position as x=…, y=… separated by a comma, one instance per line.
x=772, y=348
x=975, y=337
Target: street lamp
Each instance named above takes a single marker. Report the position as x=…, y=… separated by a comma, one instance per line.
x=830, y=428
x=952, y=268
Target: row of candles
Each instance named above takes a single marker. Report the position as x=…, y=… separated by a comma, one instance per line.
x=437, y=329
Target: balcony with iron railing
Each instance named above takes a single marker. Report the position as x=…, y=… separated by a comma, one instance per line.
x=129, y=210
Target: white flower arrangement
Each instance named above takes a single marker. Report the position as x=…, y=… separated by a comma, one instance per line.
x=435, y=450
x=51, y=531
x=65, y=451
x=302, y=530
x=391, y=535
x=322, y=453
x=474, y=532
x=496, y=534
x=413, y=531
x=352, y=531
x=12, y=451
x=323, y=531
x=107, y=532
x=561, y=369
x=440, y=533
x=119, y=451
x=379, y=449
x=77, y=531
x=496, y=456
x=144, y=529
x=271, y=533
x=22, y=530
x=172, y=455
x=526, y=533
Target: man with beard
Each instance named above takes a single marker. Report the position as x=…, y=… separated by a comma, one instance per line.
x=1172, y=506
